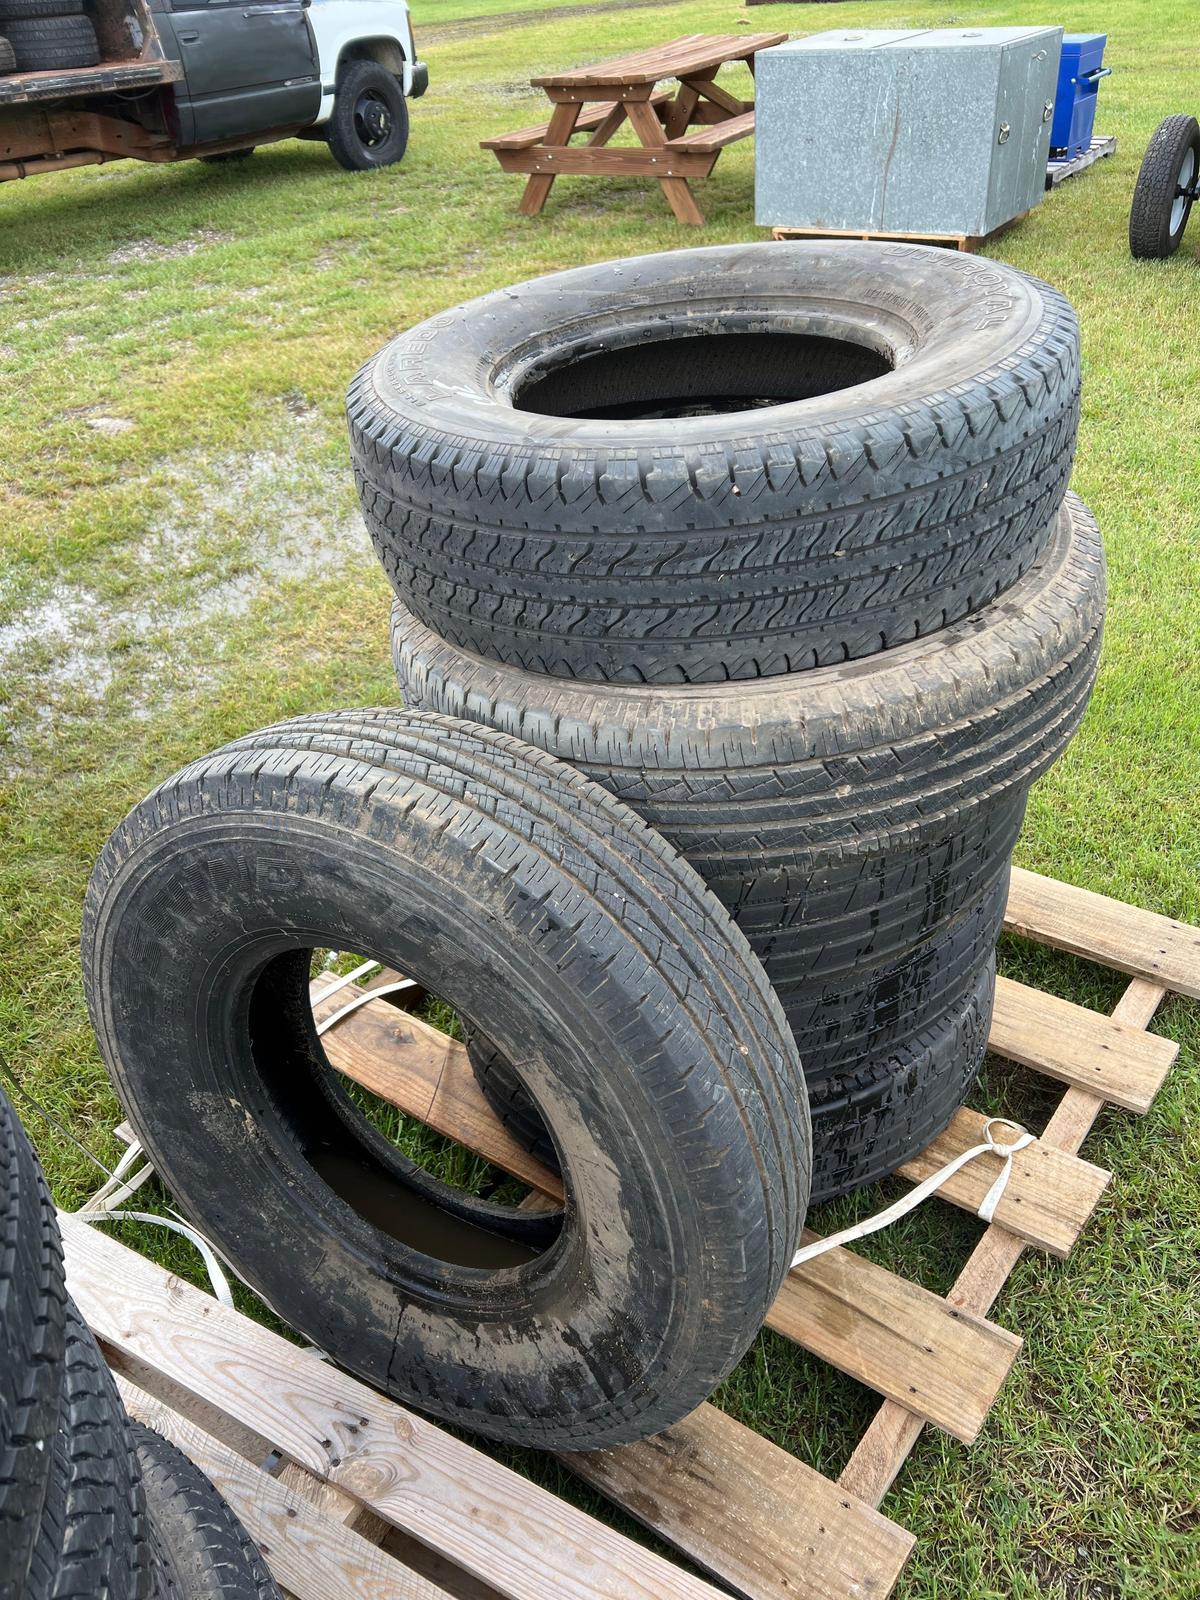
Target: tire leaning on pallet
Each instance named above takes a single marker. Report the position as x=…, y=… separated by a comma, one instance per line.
x=527, y=897
x=849, y=818
x=1166, y=186
x=32, y=1347
x=719, y=463
x=203, y=1551
x=43, y=44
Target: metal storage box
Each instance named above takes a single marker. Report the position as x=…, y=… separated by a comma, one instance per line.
x=942, y=130
x=1080, y=71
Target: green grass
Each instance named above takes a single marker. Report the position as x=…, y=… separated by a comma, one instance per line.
x=171, y=583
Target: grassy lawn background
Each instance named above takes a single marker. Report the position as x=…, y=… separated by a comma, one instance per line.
x=181, y=560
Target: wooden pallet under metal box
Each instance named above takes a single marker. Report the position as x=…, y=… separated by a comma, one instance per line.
x=351, y=1494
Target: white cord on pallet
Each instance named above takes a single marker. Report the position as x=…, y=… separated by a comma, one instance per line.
x=987, y=1210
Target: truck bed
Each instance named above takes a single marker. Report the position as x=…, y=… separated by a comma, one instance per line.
x=17, y=88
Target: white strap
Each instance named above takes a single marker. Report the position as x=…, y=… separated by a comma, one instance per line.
x=360, y=1000
x=216, y=1276
x=987, y=1210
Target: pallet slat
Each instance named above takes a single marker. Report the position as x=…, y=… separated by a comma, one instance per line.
x=1125, y=1066
x=885, y=1445
x=1049, y=1197
x=524, y=1541
x=901, y=1340
x=1107, y=931
x=750, y=1512
x=313, y=1555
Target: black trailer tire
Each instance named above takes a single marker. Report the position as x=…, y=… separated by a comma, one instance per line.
x=32, y=1345
x=43, y=44
x=521, y=893
x=743, y=544
x=8, y=60
x=368, y=127
x=203, y=1548
x=24, y=10
x=1162, y=203
x=95, y=1540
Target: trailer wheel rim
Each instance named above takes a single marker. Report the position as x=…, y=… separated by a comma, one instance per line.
x=1183, y=192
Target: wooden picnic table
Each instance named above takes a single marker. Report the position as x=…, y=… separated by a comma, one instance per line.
x=627, y=89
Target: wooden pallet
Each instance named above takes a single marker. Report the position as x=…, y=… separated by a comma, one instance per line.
x=351, y=1494
x=1058, y=171
x=969, y=242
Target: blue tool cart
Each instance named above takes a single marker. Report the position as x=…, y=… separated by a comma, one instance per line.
x=1080, y=69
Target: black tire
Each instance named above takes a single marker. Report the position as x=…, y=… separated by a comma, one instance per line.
x=8, y=60
x=369, y=124
x=94, y=1540
x=26, y=10
x=738, y=545
x=227, y=155
x=1161, y=208
x=32, y=1345
x=204, y=1550
x=521, y=893
x=853, y=820
x=877, y=1096
x=43, y=44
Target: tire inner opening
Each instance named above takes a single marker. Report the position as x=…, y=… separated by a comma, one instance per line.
x=696, y=375
x=426, y=1191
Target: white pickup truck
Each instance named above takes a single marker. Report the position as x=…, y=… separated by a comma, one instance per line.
x=166, y=80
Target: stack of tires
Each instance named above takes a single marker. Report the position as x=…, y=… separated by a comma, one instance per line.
x=47, y=35
x=91, y=1503
x=774, y=542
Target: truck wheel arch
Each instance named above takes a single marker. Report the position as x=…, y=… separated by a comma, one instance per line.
x=387, y=52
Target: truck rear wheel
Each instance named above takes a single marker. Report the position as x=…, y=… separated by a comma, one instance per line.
x=369, y=125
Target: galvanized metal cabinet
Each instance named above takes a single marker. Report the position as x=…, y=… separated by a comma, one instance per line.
x=942, y=130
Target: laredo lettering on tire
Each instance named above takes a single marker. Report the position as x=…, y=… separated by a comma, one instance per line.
x=721, y=463
x=528, y=899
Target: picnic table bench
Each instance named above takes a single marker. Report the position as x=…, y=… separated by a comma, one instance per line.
x=597, y=100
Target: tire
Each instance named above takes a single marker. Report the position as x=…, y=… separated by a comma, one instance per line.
x=32, y=1346
x=43, y=44
x=521, y=893
x=1160, y=212
x=204, y=1551
x=367, y=91
x=224, y=156
x=874, y=1103
x=699, y=549
x=94, y=1540
x=26, y=10
x=8, y=60
x=853, y=820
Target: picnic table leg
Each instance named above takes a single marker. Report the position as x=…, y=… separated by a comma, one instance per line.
x=679, y=197
x=562, y=125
